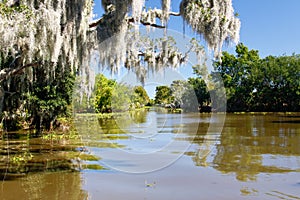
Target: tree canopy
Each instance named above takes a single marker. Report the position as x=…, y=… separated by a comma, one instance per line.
x=251, y=83
x=256, y=84
x=111, y=96
x=46, y=37
x=163, y=95
x=61, y=31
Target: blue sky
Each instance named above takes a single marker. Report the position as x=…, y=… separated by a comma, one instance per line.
x=270, y=26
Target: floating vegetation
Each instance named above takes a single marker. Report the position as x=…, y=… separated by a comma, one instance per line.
x=94, y=167
x=21, y=154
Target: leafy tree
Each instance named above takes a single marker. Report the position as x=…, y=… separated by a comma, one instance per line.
x=178, y=89
x=46, y=101
x=276, y=84
x=35, y=100
x=103, y=93
x=254, y=84
x=111, y=96
x=46, y=30
x=57, y=35
x=121, y=98
x=201, y=91
x=235, y=72
x=190, y=94
x=140, y=96
x=189, y=100
x=163, y=95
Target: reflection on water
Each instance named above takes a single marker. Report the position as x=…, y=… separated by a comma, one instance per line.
x=251, y=144
x=43, y=167
x=254, y=144
x=252, y=148
x=48, y=186
x=21, y=154
x=136, y=139
x=251, y=156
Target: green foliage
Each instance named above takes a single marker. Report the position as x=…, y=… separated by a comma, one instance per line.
x=151, y=102
x=276, y=84
x=254, y=84
x=121, y=97
x=10, y=10
x=35, y=97
x=188, y=95
x=112, y=96
x=235, y=72
x=50, y=98
x=163, y=95
x=103, y=93
x=200, y=89
x=251, y=84
x=178, y=89
x=189, y=100
x=140, y=96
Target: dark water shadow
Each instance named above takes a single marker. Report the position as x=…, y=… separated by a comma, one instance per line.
x=287, y=122
x=294, y=116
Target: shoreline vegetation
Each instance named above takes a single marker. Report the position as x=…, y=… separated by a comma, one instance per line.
x=60, y=149
x=109, y=115
x=63, y=150
x=251, y=84
x=66, y=125
x=40, y=66
x=38, y=133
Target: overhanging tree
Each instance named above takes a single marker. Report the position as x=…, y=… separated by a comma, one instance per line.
x=58, y=35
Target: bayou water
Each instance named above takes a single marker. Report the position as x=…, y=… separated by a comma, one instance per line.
x=155, y=154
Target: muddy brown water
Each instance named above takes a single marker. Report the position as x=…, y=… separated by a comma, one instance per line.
x=159, y=155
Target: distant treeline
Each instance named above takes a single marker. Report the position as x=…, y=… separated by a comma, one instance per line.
x=251, y=83
x=110, y=96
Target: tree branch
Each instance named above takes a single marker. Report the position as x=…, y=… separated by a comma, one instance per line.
x=153, y=25
x=5, y=73
x=95, y=23
x=174, y=14
x=131, y=20
x=98, y=21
